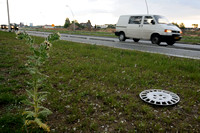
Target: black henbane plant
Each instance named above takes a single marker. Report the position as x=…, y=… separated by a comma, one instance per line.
x=39, y=55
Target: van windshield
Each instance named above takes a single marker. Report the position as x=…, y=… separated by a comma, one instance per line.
x=161, y=19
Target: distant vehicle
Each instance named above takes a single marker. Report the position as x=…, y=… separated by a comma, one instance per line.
x=148, y=27
x=14, y=26
x=3, y=26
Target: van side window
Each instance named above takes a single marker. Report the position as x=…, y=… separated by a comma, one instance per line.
x=148, y=20
x=135, y=20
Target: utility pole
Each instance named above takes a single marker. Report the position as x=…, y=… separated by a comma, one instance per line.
x=147, y=7
x=8, y=17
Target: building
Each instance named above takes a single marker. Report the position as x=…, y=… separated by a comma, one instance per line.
x=102, y=26
x=87, y=25
x=48, y=27
x=31, y=24
x=106, y=26
x=21, y=24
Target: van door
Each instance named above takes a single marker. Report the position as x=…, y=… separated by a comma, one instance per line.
x=148, y=27
x=134, y=27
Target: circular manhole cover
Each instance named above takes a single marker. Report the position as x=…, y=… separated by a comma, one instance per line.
x=159, y=97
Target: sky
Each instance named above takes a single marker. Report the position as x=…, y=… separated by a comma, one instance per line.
x=99, y=12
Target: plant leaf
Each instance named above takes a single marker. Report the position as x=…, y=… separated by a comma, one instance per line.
x=42, y=125
x=43, y=92
x=30, y=93
x=29, y=114
x=28, y=102
x=45, y=112
x=42, y=98
x=28, y=122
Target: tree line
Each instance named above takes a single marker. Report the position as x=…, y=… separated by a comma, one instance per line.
x=78, y=25
x=88, y=25
x=181, y=25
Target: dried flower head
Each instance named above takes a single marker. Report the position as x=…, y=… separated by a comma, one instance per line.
x=47, y=44
x=58, y=34
x=18, y=33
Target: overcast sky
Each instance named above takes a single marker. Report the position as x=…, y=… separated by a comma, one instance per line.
x=40, y=12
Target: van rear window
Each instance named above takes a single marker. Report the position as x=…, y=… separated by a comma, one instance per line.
x=135, y=20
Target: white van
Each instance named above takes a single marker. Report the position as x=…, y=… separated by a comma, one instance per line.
x=148, y=27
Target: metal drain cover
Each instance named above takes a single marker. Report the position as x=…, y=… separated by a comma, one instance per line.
x=159, y=97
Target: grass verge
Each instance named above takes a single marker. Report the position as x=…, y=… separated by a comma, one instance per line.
x=191, y=39
x=95, y=88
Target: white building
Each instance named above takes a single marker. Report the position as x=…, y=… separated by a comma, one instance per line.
x=48, y=26
x=102, y=26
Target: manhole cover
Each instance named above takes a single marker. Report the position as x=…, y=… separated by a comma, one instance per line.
x=159, y=97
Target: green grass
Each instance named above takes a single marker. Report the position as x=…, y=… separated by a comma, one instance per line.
x=96, y=88
x=191, y=39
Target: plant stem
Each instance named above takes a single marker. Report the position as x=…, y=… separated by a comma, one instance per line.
x=35, y=98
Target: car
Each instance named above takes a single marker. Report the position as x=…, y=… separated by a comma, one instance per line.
x=148, y=27
x=14, y=26
x=3, y=26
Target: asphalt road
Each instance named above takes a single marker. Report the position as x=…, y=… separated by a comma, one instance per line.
x=177, y=50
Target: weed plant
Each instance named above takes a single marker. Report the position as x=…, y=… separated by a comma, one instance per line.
x=35, y=97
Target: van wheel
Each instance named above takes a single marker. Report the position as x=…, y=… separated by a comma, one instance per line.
x=122, y=37
x=170, y=42
x=136, y=40
x=155, y=39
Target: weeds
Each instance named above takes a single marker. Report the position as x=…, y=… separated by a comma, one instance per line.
x=36, y=97
x=11, y=123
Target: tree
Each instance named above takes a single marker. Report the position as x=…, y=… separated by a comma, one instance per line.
x=79, y=26
x=112, y=26
x=175, y=24
x=76, y=22
x=182, y=26
x=89, y=25
x=195, y=25
x=67, y=23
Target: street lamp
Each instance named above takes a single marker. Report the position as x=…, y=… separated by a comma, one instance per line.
x=147, y=7
x=8, y=17
x=72, y=15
